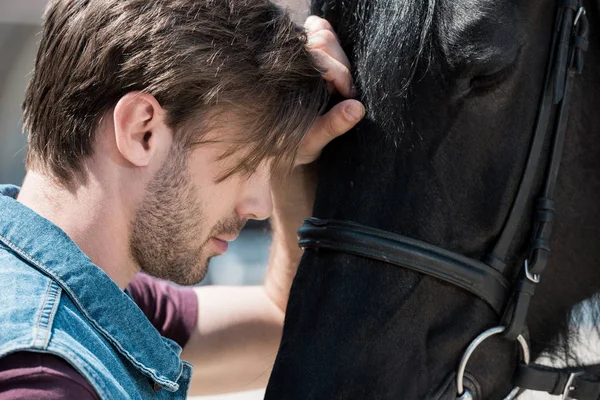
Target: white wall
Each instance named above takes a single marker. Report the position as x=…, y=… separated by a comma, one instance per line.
x=18, y=44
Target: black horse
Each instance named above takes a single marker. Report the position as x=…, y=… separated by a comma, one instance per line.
x=452, y=90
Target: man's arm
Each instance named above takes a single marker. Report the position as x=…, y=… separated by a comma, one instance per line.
x=236, y=339
x=238, y=330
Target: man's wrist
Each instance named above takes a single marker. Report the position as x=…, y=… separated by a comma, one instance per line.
x=292, y=202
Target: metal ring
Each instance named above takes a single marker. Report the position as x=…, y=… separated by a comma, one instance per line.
x=535, y=278
x=460, y=375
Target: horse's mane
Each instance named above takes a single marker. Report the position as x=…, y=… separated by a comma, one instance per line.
x=387, y=51
x=404, y=26
x=580, y=327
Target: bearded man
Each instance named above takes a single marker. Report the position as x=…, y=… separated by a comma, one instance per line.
x=156, y=130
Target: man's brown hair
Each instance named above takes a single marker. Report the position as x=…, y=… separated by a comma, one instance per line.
x=195, y=56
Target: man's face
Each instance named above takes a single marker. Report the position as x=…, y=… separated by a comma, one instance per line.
x=187, y=217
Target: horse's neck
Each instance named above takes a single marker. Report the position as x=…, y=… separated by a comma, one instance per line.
x=572, y=273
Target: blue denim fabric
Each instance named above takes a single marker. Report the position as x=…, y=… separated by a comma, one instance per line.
x=55, y=300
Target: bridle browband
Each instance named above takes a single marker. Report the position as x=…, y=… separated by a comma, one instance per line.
x=486, y=279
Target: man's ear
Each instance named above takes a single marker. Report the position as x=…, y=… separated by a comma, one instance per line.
x=140, y=128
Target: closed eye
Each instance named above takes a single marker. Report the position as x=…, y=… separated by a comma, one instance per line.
x=483, y=84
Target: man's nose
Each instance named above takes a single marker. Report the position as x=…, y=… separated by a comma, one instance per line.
x=257, y=202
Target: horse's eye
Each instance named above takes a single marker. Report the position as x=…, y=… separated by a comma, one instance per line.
x=487, y=83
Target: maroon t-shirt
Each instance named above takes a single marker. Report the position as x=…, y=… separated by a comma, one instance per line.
x=28, y=375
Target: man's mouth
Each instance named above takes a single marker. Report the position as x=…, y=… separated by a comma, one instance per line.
x=220, y=245
x=228, y=237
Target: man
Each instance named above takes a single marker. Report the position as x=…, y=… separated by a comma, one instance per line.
x=156, y=130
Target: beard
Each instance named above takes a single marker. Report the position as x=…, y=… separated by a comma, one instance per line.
x=167, y=230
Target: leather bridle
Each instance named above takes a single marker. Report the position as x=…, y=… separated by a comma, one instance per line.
x=487, y=279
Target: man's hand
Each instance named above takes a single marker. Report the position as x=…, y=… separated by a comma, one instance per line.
x=323, y=44
x=293, y=200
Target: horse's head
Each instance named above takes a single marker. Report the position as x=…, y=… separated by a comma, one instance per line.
x=452, y=90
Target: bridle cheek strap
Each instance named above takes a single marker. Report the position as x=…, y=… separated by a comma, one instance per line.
x=352, y=238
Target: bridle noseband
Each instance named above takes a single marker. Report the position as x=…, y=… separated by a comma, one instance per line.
x=486, y=279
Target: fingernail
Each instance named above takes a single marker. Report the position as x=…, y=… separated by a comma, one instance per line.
x=310, y=21
x=354, y=112
x=353, y=91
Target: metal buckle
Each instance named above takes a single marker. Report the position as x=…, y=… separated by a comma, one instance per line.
x=461, y=393
x=535, y=278
x=580, y=12
x=569, y=386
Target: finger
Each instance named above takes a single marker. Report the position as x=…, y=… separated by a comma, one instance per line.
x=314, y=24
x=327, y=41
x=335, y=72
x=325, y=46
x=339, y=120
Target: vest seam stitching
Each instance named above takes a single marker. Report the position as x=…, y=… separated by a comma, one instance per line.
x=57, y=291
x=37, y=327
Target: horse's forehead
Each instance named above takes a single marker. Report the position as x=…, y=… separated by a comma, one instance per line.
x=478, y=29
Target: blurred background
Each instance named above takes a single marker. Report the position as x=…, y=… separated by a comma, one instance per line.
x=20, y=25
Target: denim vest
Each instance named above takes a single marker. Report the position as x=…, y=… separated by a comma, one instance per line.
x=53, y=299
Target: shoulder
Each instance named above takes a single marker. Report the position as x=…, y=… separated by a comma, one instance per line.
x=31, y=375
